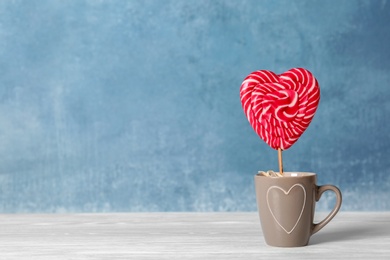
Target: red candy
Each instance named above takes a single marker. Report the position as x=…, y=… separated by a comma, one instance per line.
x=280, y=107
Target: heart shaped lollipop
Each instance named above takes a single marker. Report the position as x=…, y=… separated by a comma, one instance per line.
x=280, y=107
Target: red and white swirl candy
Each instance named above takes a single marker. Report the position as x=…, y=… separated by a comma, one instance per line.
x=280, y=107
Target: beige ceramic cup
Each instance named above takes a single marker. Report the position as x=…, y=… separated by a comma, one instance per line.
x=286, y=207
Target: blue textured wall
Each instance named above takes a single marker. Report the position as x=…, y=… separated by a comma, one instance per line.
x=134, y=105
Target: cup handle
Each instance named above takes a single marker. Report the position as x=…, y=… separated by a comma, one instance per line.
x=320, y=190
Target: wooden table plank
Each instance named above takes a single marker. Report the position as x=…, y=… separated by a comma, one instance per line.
x=183, y=236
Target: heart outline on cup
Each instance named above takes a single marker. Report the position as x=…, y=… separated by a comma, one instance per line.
x=287, y=193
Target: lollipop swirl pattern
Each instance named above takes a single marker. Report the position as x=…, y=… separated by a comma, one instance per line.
x=280, y=107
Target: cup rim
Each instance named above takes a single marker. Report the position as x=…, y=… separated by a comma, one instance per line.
x=294, y=174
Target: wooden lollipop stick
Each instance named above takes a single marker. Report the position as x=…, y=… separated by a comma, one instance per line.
x=280, y=161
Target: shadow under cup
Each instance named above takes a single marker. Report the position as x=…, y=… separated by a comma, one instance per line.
x=286, y=207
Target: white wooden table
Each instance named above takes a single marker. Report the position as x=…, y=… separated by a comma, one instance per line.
x=183, y=236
